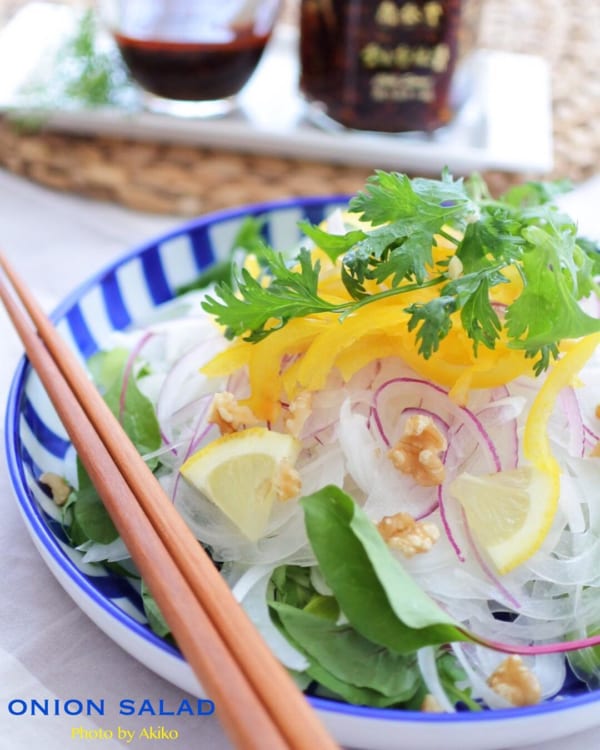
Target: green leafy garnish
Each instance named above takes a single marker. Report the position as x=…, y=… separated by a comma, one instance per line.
x=156, y=621
x=295, y=293
x=123, y=396
x=381, y=601
x=341, y=661
x=82, y=73
x=522, y=234
x=85, y=516
x=88, y=519
x=535, y=193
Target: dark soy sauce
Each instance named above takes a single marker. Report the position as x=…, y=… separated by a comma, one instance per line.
x=193, y=55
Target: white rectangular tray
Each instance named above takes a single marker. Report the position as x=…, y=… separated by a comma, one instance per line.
x=505, y=123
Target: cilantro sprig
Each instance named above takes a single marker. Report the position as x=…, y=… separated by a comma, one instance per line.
x=522, y=231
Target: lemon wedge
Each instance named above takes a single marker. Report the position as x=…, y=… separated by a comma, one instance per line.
x=536, y=444
x=239, y=472
x=509, y=512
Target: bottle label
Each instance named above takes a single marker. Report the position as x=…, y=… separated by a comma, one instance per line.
x=383, y=65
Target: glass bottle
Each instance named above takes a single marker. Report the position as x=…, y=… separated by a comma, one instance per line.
x=380, y=65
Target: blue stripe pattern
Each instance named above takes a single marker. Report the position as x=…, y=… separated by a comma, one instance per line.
x=155, y=277
x=115, y=305
x=86, y=343
x=201, y=248
x=53, y=443
x=27, y=460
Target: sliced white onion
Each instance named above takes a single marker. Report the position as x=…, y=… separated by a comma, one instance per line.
x=480, y=689
x=113, y=552
x=431, y=678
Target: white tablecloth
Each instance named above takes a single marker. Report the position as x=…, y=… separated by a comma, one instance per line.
x=48, y=648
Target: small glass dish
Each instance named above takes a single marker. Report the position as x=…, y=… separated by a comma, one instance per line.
x=191, y=58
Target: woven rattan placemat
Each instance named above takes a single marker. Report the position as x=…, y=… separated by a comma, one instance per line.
x=187, y=180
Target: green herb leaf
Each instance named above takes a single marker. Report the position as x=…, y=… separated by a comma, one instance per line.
x=491, y=241
x=333, y=245
x=261, y=310
x=451, y=676
x=547, y=310
x=535, y=193
x=432, y=322
x=591, y=250
x=520, y=232
x=82, y=74
x=248, y=239
x=292, y=585
x=471, y=293
x=415, y=204
x=323, y=606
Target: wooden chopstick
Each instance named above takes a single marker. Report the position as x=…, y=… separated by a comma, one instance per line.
x=259, y=705
x=154, y=563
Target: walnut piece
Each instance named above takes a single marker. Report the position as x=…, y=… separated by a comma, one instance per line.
x=287, y=482
x=515, y=682
x=299, y=412
x=58, y=487
x=417, y=451
x=402, y=533
x=431, y=705
x=228, y=414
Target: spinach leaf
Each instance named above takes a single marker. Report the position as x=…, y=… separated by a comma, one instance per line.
x=351, y=693
x=341, y=652
x=155, y=619
x=292, y=585
x=375, y=593
x=133, y=410
x=89, y=519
